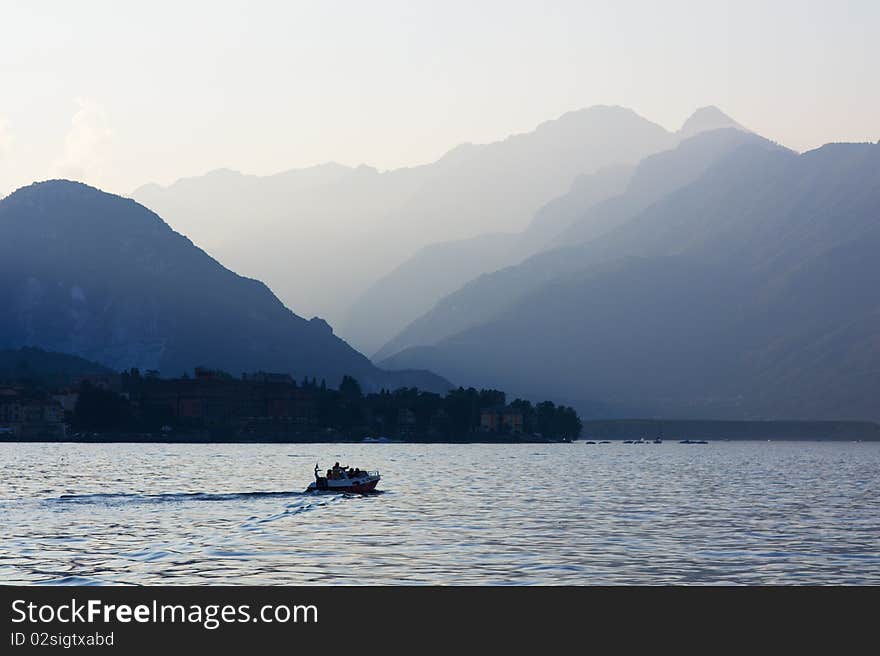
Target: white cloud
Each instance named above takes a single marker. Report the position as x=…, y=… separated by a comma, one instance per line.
x=88, y=144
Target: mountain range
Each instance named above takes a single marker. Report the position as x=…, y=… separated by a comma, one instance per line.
x=600, y=260
x=320, y=237
x=745, y=290
x=653, y=178
x=99, y=276
x=410, y=290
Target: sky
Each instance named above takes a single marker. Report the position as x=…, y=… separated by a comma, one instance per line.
x=122, y=94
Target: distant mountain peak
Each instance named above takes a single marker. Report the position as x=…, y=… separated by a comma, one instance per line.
x=705, y=119
x=578, y=117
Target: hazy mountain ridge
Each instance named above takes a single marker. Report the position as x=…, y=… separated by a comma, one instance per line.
x=748, y=293
x=101, y=277
x=408, y=292
x=655, y=177
x=321, y=246
x=411, y=289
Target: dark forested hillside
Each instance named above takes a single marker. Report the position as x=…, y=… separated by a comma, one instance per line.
x=45, y=368
x=99, y=276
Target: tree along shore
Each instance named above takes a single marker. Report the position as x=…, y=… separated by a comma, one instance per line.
x=213, y=406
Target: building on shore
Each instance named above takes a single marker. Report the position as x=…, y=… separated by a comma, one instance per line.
x=29, y=417
x=214, y=397
x=502, y=419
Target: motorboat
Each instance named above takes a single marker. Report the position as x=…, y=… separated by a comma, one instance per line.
x=344, y=479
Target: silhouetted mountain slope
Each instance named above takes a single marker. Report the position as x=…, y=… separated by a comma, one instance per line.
x=593, y=337
x=748, y=293
x=412, y=288
x=99, y=276
x=654, y=178
x=556, y=216
x=409, y=291
x=346, y=228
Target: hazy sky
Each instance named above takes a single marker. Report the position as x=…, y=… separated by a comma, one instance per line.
x=119, y=94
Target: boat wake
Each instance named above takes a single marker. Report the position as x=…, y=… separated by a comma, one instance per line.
x=291, y=510
x=170, y=497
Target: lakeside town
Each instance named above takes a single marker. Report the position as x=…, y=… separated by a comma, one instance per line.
x=48, y=396
x=212, y=405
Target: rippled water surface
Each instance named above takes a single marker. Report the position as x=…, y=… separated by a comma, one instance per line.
x=726, y=512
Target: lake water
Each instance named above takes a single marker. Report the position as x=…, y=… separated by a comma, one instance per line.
x=723, y=513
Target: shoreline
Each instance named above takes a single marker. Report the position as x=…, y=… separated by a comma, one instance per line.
x=613, y=430
x=597, y=441
x=109, y=439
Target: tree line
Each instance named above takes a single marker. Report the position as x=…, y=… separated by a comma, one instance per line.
x=407, y=413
